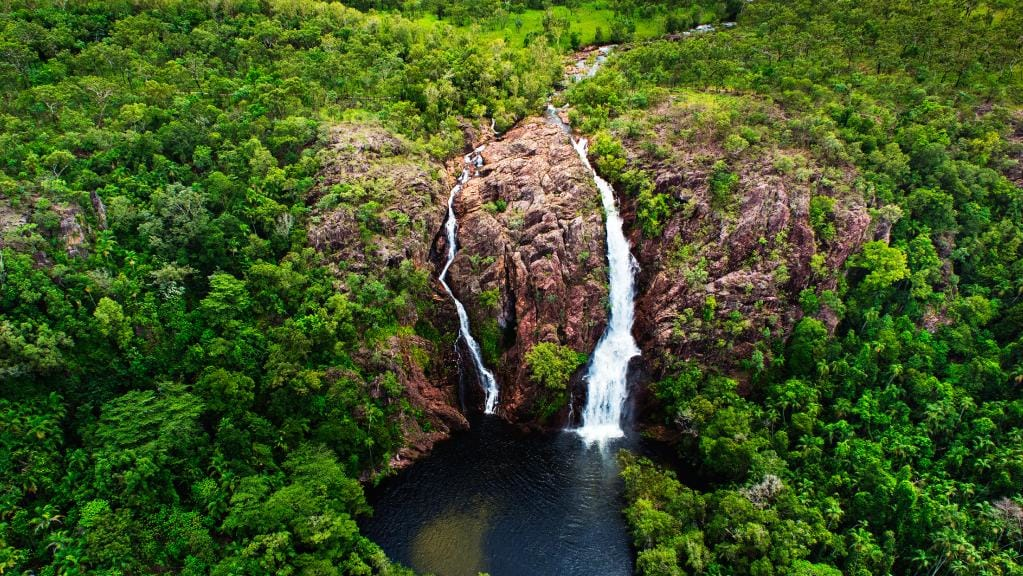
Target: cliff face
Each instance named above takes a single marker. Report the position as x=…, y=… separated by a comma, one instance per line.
x=532, y=265
x=377, y=207
x=723, y=276
x=752, y=226
x=1015, y=171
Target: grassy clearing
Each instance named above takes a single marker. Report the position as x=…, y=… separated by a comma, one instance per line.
x=515, y=28
x=583, y=20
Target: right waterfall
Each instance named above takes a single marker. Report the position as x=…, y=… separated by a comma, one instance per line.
x=607, y=385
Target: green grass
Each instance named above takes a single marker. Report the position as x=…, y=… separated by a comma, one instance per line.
x=583, y=20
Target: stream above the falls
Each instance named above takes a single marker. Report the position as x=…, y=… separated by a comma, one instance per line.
x=497, y=500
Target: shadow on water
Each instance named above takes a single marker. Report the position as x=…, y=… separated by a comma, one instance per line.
x=497, y=500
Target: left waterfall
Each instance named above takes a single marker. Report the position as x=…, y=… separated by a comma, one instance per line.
x=473, y=161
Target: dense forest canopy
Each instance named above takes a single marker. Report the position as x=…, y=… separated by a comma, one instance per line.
x=187, y=386
x=893, y=445
x=180, y=389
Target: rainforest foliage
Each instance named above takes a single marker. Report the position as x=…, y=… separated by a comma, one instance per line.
x=186, y=386
x=184, y=383
x=893, y=445
x=565, y=23
x=551, y=366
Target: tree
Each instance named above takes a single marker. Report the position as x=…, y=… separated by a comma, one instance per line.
x=885, y=266
x=225, y=391
x=312, y=513
x=622, y=29
x=139, y=440
x=112, y=322
x=554, y=26
x=228, y=299
x=659, y=561
x=179, y=221
x=551, y=366
x=806, y=346
x=101, y=90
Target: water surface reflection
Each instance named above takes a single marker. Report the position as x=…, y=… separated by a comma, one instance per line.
x=499, y=501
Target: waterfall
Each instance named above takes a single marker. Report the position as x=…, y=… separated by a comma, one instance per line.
x=607, y=385
x=472, y=162
x=607, y=375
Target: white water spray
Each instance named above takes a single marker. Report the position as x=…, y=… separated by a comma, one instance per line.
x=607, y=375
x=472, y=162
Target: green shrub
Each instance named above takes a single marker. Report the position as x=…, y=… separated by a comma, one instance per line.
x=735, y=144
x=822, y=212
x=722, y=182
x=551, y=365
x=488, y=299
x=496, y=206
x=652, y=211
x=609, y=156
x=489, y=334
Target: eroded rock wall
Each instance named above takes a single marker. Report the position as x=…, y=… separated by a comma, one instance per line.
x=724, y=275
x=532, y=264
x=377, y=208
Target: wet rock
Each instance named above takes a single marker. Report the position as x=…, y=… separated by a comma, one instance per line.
x=531, y=266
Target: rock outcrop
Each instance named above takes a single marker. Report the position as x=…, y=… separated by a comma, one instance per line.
x=726, y=272
x=377, y=207
x=1014, y=172
x=531, y=265
x=71, y=230
x=378, y=201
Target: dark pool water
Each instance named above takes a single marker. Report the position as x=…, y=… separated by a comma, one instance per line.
x=499, y=501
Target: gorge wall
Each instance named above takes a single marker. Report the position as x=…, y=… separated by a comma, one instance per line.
x=722, y=278
x=531, y=266
x=394, y=206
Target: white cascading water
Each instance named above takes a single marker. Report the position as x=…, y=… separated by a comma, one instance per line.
x=607, y=384
x=472, y=162
x=607, y=375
